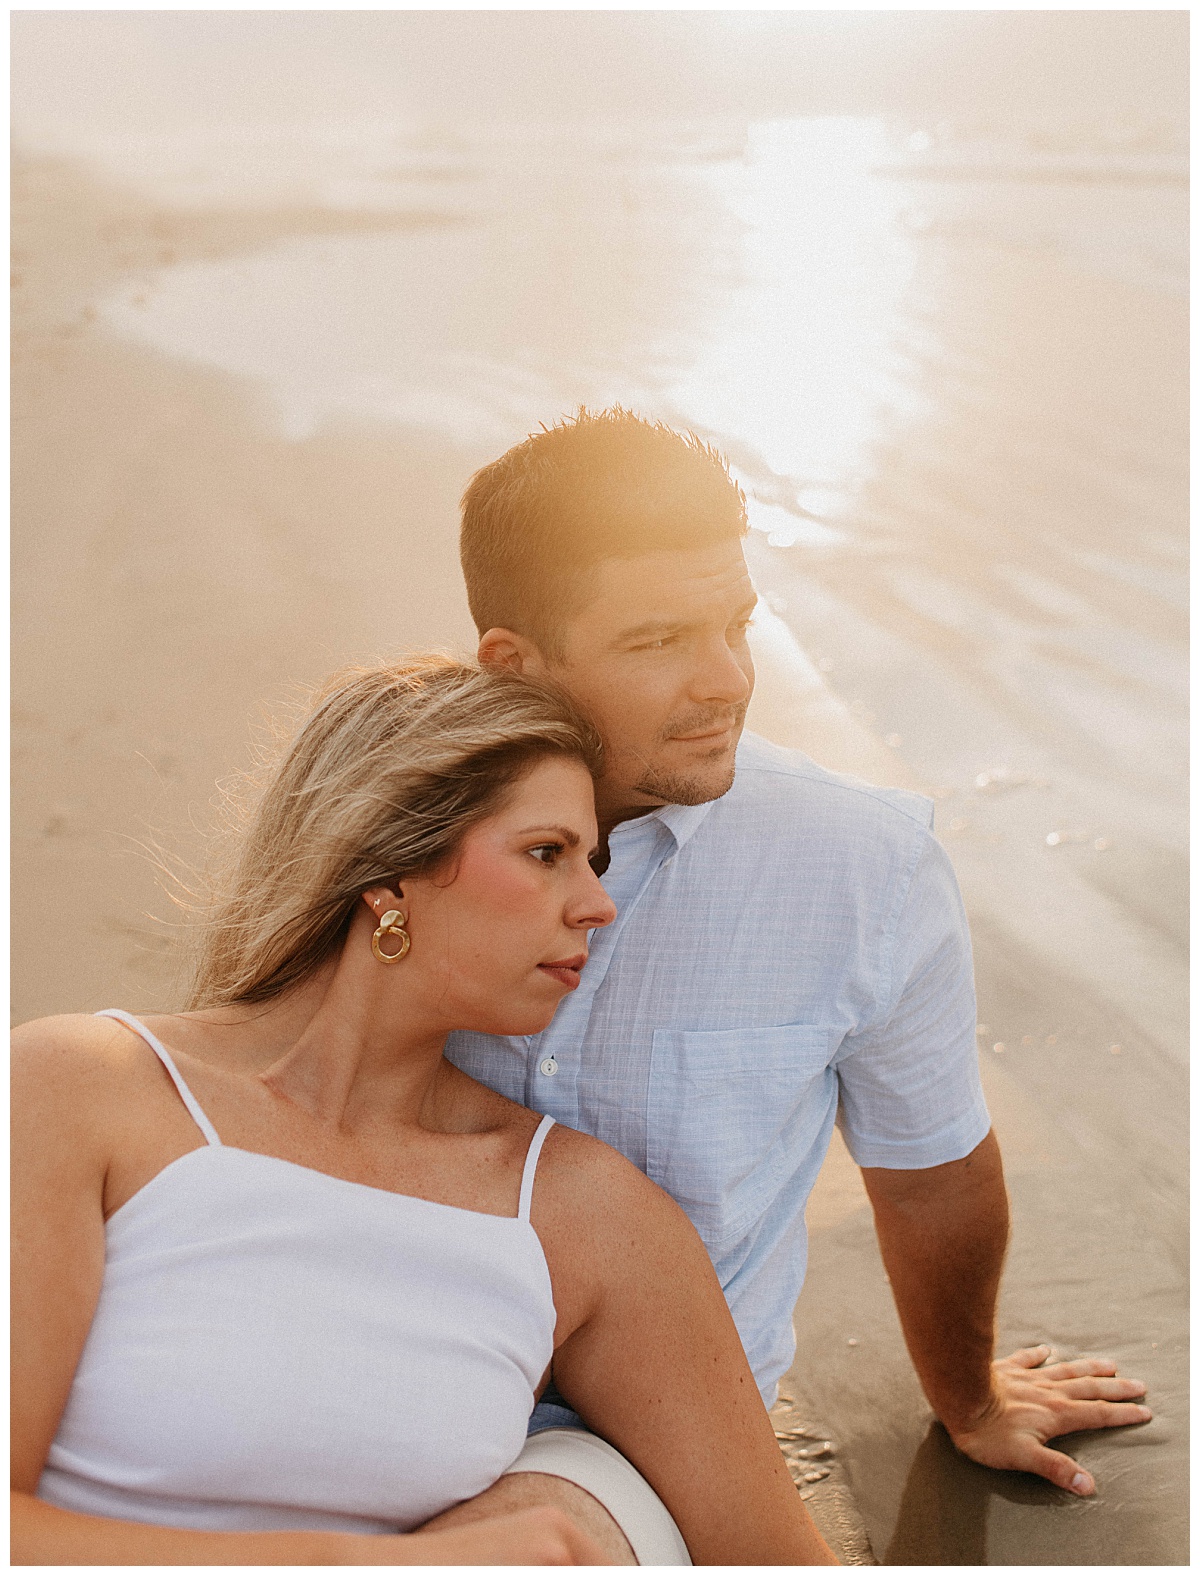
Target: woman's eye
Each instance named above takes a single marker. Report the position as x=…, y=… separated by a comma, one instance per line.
x=546, y=853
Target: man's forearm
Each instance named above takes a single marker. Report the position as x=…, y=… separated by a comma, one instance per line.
x=943, y=1233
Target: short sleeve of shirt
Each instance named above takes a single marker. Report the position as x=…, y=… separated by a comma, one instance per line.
x=910, y=1094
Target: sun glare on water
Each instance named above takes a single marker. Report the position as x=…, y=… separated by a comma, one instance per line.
x=746, y=286
x=799, y=371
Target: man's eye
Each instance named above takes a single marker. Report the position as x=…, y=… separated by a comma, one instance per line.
x=547, y=853
x=655, y=645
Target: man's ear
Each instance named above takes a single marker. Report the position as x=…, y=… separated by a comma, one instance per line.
x=504, y=648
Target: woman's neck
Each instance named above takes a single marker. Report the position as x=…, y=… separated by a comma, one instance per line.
x=351, y=1044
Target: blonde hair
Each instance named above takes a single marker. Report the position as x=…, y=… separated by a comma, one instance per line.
x=383, y=777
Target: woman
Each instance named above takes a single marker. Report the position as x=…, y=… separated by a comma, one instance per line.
x=285, y=1288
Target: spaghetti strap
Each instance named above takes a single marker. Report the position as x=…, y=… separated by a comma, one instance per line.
x=164, y=1056
x=531, y=1160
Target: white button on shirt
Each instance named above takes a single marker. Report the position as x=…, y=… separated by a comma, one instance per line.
x=793, y=953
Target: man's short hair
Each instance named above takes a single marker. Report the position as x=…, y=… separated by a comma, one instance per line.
x=603, y=484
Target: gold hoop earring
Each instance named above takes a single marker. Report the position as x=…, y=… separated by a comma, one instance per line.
x=391, y=924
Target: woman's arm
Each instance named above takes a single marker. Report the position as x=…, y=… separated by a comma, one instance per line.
x=63, y=1117
x=44, y=1535
x=651, y=1360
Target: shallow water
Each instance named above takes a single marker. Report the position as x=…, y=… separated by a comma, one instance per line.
x=252, y=375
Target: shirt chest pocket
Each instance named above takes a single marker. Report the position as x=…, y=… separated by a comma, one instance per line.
x=732, y=1113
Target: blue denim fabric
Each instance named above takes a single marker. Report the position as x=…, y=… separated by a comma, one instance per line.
x=548, y=1414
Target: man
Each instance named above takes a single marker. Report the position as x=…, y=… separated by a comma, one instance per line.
x=790, y=948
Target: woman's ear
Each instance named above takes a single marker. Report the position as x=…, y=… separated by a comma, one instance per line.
x=379, y=899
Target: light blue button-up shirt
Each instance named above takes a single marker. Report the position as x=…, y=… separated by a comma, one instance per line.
x=789, y=955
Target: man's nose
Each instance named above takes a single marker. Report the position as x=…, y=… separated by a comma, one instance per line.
x=722, y=675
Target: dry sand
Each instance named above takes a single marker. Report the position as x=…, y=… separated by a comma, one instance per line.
x=1010, y=596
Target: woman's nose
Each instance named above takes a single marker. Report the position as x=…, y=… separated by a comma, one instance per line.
x=595, y=908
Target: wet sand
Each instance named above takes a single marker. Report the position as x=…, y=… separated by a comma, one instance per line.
x=994, y=613
x=1016, y=612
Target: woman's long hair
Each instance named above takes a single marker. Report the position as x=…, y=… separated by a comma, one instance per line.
x=383, y=777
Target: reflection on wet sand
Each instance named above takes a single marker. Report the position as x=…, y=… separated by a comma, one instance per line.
x=241, y=427
x=1011, y=613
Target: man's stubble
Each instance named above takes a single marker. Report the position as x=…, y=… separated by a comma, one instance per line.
x=691, y=787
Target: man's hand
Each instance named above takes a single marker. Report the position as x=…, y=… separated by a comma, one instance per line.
x=506, y=1507
x=943, y=1232
x=1032, y=1403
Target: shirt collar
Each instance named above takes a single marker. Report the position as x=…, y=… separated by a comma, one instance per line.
x=681, y=820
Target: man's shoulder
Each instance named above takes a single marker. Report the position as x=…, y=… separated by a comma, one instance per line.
x=772, y=780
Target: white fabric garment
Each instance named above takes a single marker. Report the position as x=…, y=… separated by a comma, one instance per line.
x=792, y=953
x=591, y=1462
x=275, y=1348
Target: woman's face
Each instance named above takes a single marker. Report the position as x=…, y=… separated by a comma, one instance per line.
x=501, y=935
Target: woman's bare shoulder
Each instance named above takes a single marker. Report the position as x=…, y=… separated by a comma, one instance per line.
x=584, y=1173
x=604, y=1225
x=67, y=1034
x=75, y=1060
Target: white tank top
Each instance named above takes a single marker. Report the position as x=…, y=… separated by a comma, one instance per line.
x=275, y=1348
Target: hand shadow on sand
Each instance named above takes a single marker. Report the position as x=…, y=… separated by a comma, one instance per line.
x=943, y=1512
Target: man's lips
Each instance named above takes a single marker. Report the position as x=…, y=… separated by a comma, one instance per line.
x=709, y=730
x=699, y=738
x=566, y=971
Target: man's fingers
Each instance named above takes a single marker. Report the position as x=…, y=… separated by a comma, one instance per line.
x=1101, y=1389
x=1058, y=1468
x=1080, y=1368
x=1080, y=1415
x=1030, y=1356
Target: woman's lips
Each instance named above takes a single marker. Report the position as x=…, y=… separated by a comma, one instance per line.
x=566, y=972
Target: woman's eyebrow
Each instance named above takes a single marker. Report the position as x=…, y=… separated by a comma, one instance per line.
x=569, y=837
